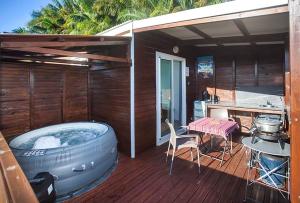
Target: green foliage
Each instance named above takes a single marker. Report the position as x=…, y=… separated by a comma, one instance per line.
x=94, y=16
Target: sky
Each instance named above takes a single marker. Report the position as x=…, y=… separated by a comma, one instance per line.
x=16, y=13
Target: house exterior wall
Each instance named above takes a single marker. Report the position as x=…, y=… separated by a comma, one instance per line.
x=38, y=95
x=235, y=68
x=249, y=74
x=110, y=102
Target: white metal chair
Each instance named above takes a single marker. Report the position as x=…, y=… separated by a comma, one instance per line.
x=182, y=141
x=222, y=114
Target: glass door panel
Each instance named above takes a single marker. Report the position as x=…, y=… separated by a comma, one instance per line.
x=166, y=94
x=177, y=94
x=170, y=95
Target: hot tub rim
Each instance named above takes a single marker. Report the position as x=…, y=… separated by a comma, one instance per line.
x=64, y=148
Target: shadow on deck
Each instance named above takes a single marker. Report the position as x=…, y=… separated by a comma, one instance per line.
x=146, y=179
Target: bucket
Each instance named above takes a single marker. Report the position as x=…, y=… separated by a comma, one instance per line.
x=43, y=187
x=270, y=162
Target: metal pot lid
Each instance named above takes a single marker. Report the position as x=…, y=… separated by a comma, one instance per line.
x=268, y=119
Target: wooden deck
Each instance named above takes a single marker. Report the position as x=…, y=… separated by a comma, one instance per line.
x=146, y=179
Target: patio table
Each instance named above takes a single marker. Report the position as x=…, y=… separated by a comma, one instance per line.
x=217, y=127
x=214, y=126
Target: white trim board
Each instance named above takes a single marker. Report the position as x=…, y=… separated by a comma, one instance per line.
x=132, y=101
x=159, y=55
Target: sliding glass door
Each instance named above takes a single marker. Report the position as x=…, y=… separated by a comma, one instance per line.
x=170, y=94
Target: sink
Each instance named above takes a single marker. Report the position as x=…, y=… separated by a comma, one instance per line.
x=267, y=106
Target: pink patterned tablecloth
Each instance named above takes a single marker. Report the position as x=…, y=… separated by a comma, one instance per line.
x=214, y=126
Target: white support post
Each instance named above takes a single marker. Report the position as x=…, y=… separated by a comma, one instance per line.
x=132, y=112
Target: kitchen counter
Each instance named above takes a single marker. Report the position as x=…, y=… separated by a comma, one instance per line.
x=245, y=107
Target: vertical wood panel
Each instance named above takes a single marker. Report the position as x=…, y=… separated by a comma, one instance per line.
x=270, y=68
x=233, y=79
x=224, y=78
x=32, y=96
x=46, y=97
x=75, y=96
x=146, y=44
x=14, y=99
x=241, y=67
x=294, y=8
x=110, y=102
x=245, y=70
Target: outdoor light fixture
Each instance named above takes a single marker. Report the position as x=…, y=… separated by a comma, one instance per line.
x=175, y=49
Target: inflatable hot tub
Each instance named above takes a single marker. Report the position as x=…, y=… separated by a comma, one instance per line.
x=79, y=155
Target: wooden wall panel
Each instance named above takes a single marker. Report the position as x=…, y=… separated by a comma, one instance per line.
x=75, y=99
x=287, y=77
x=46, y=98
x=224, y=79
x=34, y=95
x=271, y=68
x=14, y=99
x=241, y=67
x=294, y=8
x=110, y=101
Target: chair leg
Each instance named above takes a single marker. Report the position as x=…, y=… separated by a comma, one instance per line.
x=172, y=161
x=198, y=156
x=230, y=143
x=223, y=153
x=192, y=158
x=168, y=153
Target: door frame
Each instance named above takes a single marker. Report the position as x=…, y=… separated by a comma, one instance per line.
x=158, y=56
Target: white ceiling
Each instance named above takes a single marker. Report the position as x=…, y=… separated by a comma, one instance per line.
x=220, y=29
x=269, y=24
x=181, y=33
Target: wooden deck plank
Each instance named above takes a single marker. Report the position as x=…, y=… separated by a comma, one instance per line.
x=146, y=179
x=217, y=185
x=142, y=193
x=233, y=179
x=189, y=181
x=167, y=183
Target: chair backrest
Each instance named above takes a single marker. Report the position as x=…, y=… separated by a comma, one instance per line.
x=172, y=133
x=219, y=113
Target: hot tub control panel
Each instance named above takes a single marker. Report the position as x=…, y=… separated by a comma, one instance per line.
x=35, y=153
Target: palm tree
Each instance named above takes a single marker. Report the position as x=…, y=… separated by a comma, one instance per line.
x=93, y=16
x=140, y=9
x=20, y=30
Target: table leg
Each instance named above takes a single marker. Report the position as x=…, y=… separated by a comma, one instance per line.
x=248, y=176
x=230, y=143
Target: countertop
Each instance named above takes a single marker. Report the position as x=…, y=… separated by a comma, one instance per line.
x=245, y=107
